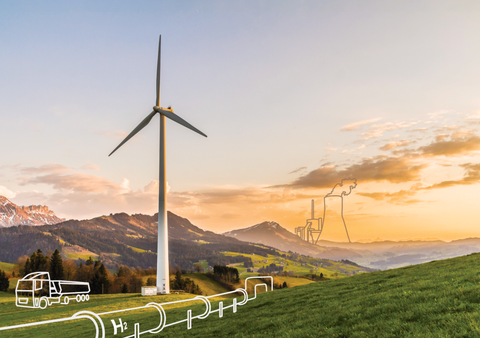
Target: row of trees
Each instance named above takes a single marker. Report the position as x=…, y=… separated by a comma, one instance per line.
x=271, y=268
x=185, y=284
x=38, y=262
x=248, y=264
x=101, y=280
x=226, y=274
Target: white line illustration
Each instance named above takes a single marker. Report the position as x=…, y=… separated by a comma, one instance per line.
x=111, y=324
x=36, y=290
x=307, y=232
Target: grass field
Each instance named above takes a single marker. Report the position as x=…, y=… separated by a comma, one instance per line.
x=12, y=315
x=6, y=266
x=137, y=249
x=12, y=283
x=71, y=253
x=437, y=299
x=208, y=286
x=334, y=269
x=204, y=265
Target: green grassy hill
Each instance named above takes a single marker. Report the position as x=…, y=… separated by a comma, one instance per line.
x=301, y=266
x=437, y=299
x=6, y=266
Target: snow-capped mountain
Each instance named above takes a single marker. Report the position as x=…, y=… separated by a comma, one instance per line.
x=11, y=214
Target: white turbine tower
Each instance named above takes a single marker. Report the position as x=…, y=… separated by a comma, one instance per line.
x=163, y=281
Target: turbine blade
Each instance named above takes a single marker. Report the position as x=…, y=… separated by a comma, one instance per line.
x=136, y=130
x=179, y=120
x=158, y=70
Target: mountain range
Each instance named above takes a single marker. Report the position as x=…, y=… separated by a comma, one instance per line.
x=132, y=240
x=273, y=234
x=121, y=239
x=377, y=255
x=11, y=214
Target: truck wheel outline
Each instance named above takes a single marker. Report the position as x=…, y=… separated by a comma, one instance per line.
x=45, y=302
x=78, y=298
x=66, y=300
x=87, y=297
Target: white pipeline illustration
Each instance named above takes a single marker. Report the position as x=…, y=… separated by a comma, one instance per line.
x=118, y=323
x=36, y=290
x=314, y=226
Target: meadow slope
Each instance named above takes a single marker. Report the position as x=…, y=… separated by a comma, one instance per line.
x=437, y=299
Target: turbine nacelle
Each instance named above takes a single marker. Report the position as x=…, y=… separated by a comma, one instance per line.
x=163, y=110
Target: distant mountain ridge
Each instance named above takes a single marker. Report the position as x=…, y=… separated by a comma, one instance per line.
x=393, y=254
x=377, y=255
x=11, y=214
x=132, y=240
x=273, y=234
x=124, y=239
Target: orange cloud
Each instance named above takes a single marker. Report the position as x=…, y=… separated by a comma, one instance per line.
x=46, y=168
x=453, y=147
x=472, y=176
x=376, y=169
x=393, y=145
x=399, y=197
x=297, y=170
x=358, y=125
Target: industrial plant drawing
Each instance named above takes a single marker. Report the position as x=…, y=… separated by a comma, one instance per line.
x=163, y=283
x=111, y=324
x=36, y=290
x=314, y=226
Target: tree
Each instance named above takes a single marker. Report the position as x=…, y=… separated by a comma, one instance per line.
x=3, y=281
x=100, y=282
x=89, y=261
x=321, y=275
x=121, y=272
x=178, y=282
x=125, y=288
x=198, y=267
x=28, y=267
x=284, y=285
x=56, y=266
x=151, y=281
x=136, y=284
x=19, y=266
x=69, y=269
x=38, y=262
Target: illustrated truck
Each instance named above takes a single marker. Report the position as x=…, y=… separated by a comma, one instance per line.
x=37, y=290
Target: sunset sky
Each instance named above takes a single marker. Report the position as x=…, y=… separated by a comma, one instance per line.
x=293, y=95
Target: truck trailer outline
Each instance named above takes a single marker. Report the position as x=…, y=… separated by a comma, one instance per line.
x=36, y=290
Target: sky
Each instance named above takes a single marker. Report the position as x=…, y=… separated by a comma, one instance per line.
x=294, y=97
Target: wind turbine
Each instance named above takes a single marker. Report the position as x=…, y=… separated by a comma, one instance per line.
x=163, y=281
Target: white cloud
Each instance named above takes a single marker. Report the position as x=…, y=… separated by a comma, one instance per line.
x=4, y=191
x=438, y=113
x=474, y=116
x=359, y=124
x=90, y=166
